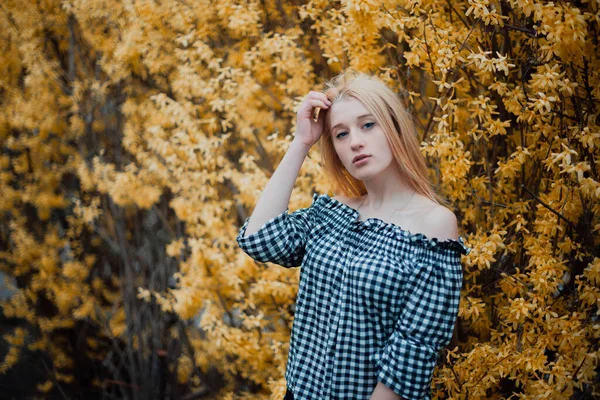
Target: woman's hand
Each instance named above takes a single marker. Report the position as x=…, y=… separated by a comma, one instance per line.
x=308, y=131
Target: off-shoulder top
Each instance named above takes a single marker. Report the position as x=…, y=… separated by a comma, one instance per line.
x=375, y=302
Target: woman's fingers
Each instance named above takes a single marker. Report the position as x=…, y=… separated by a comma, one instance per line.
x=316, y=99
x=308, y=110
x=317, y=96
x=310, y=117
x=318, y=103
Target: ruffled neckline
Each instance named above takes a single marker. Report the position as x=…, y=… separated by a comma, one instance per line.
x=376, y=223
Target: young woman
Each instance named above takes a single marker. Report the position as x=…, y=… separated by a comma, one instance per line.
x=380, y=263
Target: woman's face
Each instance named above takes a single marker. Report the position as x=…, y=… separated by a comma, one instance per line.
x=358, y=140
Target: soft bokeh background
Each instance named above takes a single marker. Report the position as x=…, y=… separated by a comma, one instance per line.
x=136, y=137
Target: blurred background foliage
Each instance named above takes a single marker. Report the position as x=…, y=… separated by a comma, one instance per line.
x=136, y=137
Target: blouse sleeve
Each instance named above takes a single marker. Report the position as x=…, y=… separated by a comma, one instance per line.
x=426, y=322
x=281, y=240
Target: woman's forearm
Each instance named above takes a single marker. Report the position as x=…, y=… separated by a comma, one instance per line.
x=276, y=196
x=383, y=392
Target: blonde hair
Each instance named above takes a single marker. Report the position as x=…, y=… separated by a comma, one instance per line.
x=397, y=124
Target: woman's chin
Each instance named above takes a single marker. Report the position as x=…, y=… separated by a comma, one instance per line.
x=363, y=175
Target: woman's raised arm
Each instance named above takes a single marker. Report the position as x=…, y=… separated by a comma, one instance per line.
x=276, y=196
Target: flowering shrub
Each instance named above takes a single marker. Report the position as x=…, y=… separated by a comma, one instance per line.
x=137, y=136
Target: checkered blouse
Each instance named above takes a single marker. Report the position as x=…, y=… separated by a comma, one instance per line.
x=375, y=302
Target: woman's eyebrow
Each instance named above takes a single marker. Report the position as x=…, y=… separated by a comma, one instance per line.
x=357, y=118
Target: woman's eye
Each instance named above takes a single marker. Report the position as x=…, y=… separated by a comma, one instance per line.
x=370, y=124
x=340, y=134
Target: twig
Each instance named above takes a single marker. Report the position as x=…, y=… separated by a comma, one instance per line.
x=10, y=19
x=455, y=375
x=53, y=372
x=559, y=215
x=454, y=75
x=490, y=177
x=120, y=383
x=198, y=393
x=464, y=21
x=429, y=50
x=491, y=203
x=530, y=32
x=263, y=152
x=579, y=366
x=398, y=7
x=128, y=292
x=104, y=235
x=188, y=344
x=239, y=208
x=588, y=88
x=271, y=95
x=489, y=369
x=165, y=222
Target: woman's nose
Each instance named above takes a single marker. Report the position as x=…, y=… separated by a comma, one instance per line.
x=356, y=141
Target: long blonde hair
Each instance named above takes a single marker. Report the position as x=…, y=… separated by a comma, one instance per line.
x=397, y=125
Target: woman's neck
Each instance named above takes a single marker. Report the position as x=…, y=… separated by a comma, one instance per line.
x=386, y=191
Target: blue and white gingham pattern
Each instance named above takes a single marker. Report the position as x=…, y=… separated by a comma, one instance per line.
x=375, y=302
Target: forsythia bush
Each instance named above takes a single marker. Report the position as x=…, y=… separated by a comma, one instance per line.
x=136, y=137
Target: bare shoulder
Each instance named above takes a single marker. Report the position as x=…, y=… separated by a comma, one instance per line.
x=440, y=222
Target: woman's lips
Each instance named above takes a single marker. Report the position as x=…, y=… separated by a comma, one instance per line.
x=362, y=160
